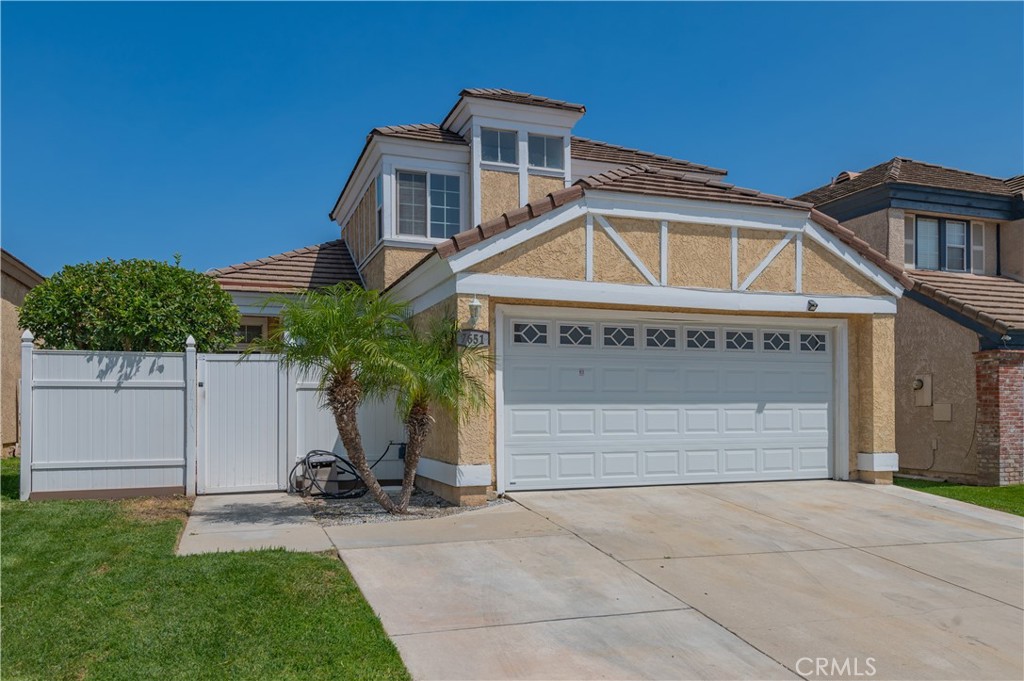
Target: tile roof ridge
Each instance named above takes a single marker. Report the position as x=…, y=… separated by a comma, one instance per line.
x=895, y=165
x=277, y=257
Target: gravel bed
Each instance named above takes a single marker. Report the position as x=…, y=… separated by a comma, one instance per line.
x=365, y=509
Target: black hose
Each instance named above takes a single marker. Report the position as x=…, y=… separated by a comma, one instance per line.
x=344, y=467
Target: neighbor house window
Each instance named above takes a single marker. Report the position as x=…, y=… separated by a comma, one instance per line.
x=978, y=247
x=499, y=146
x=251, y=330
x=546, y=152
x=941, y=244
x=927, y=244
x=441, y=204
x=956, y=245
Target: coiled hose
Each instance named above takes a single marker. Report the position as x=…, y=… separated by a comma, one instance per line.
x=344, y=467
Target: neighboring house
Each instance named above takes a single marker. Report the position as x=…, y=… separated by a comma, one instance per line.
x=16, y=280
x=254, y=285
x=960, y=326
x=651, y=322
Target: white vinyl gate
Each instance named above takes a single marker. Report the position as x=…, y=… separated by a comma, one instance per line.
x=243, y=424
x=255, y=418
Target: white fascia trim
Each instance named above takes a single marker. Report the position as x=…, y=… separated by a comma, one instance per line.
x=487, y=248
x=878, y=461
x=254, y=303
x=852, y=258
x=570, y=292
x=618, y=204
x=455, y=475
x=426, y=277
x=486, y=112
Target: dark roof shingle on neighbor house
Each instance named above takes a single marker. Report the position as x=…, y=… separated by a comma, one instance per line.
x=995, y=302
x=302, y=269
x=908, y=171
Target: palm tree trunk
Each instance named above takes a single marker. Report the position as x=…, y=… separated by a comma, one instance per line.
x=343, y=395
x=417, y=425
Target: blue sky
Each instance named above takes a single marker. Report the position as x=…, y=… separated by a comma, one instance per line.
x=225, y=131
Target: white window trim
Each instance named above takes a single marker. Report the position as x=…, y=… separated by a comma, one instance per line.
x=910, y=242
x=540, y=169
x=503, y=164
x=964, y=247
x=393, y=232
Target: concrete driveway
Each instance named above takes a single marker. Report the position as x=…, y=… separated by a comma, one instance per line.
x=766, y=580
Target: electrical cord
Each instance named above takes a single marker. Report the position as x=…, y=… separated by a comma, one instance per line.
x=344, y=467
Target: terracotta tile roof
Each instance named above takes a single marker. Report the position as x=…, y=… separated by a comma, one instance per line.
x=908, y=171
x=427, y=132
x=302, y=269
x=654, y=181
x=593, y=150
x=659, y=182
x=513, y=97
x=996, y=302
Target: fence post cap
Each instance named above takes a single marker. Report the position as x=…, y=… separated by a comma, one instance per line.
x=27, y=337
x=190, y=342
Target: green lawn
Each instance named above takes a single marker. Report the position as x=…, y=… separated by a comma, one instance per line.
x=1009, y=499
x=92, y=590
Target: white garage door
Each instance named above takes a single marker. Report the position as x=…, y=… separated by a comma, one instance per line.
x=597, y=403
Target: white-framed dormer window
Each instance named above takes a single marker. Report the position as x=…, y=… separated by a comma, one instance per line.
x=499, y=146
x=546, y=152
x=429, y=204
x=956, y=245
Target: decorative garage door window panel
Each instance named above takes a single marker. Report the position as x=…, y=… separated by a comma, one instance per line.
x=682, y=403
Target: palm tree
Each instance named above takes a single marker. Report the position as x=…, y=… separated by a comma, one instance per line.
x=436, y=374
x=354, y=338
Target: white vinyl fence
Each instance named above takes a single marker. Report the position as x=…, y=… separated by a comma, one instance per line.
x=119, y=424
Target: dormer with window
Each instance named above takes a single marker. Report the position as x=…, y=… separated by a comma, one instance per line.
x=520, y=144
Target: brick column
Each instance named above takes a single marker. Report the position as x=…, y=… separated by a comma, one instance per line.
x=999, y=381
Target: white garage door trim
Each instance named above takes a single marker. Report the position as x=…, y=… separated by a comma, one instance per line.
x=840, y=375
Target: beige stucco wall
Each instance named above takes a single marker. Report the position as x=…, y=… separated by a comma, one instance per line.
x=825, y=274
x=883, y=229
x=12, y=294
x=499, y=193
x=928, y=344
x=542, y=185
x=388, y=264
x=698, y=257
x=752, y=246
x=558, y=254
x=361, y=231
x=1011, y=241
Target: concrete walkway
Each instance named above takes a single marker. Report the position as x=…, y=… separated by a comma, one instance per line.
x=242, y=522
x=701, y=582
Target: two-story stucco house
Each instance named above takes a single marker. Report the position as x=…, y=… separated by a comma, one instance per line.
x=652, y=323
x=960, y=326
